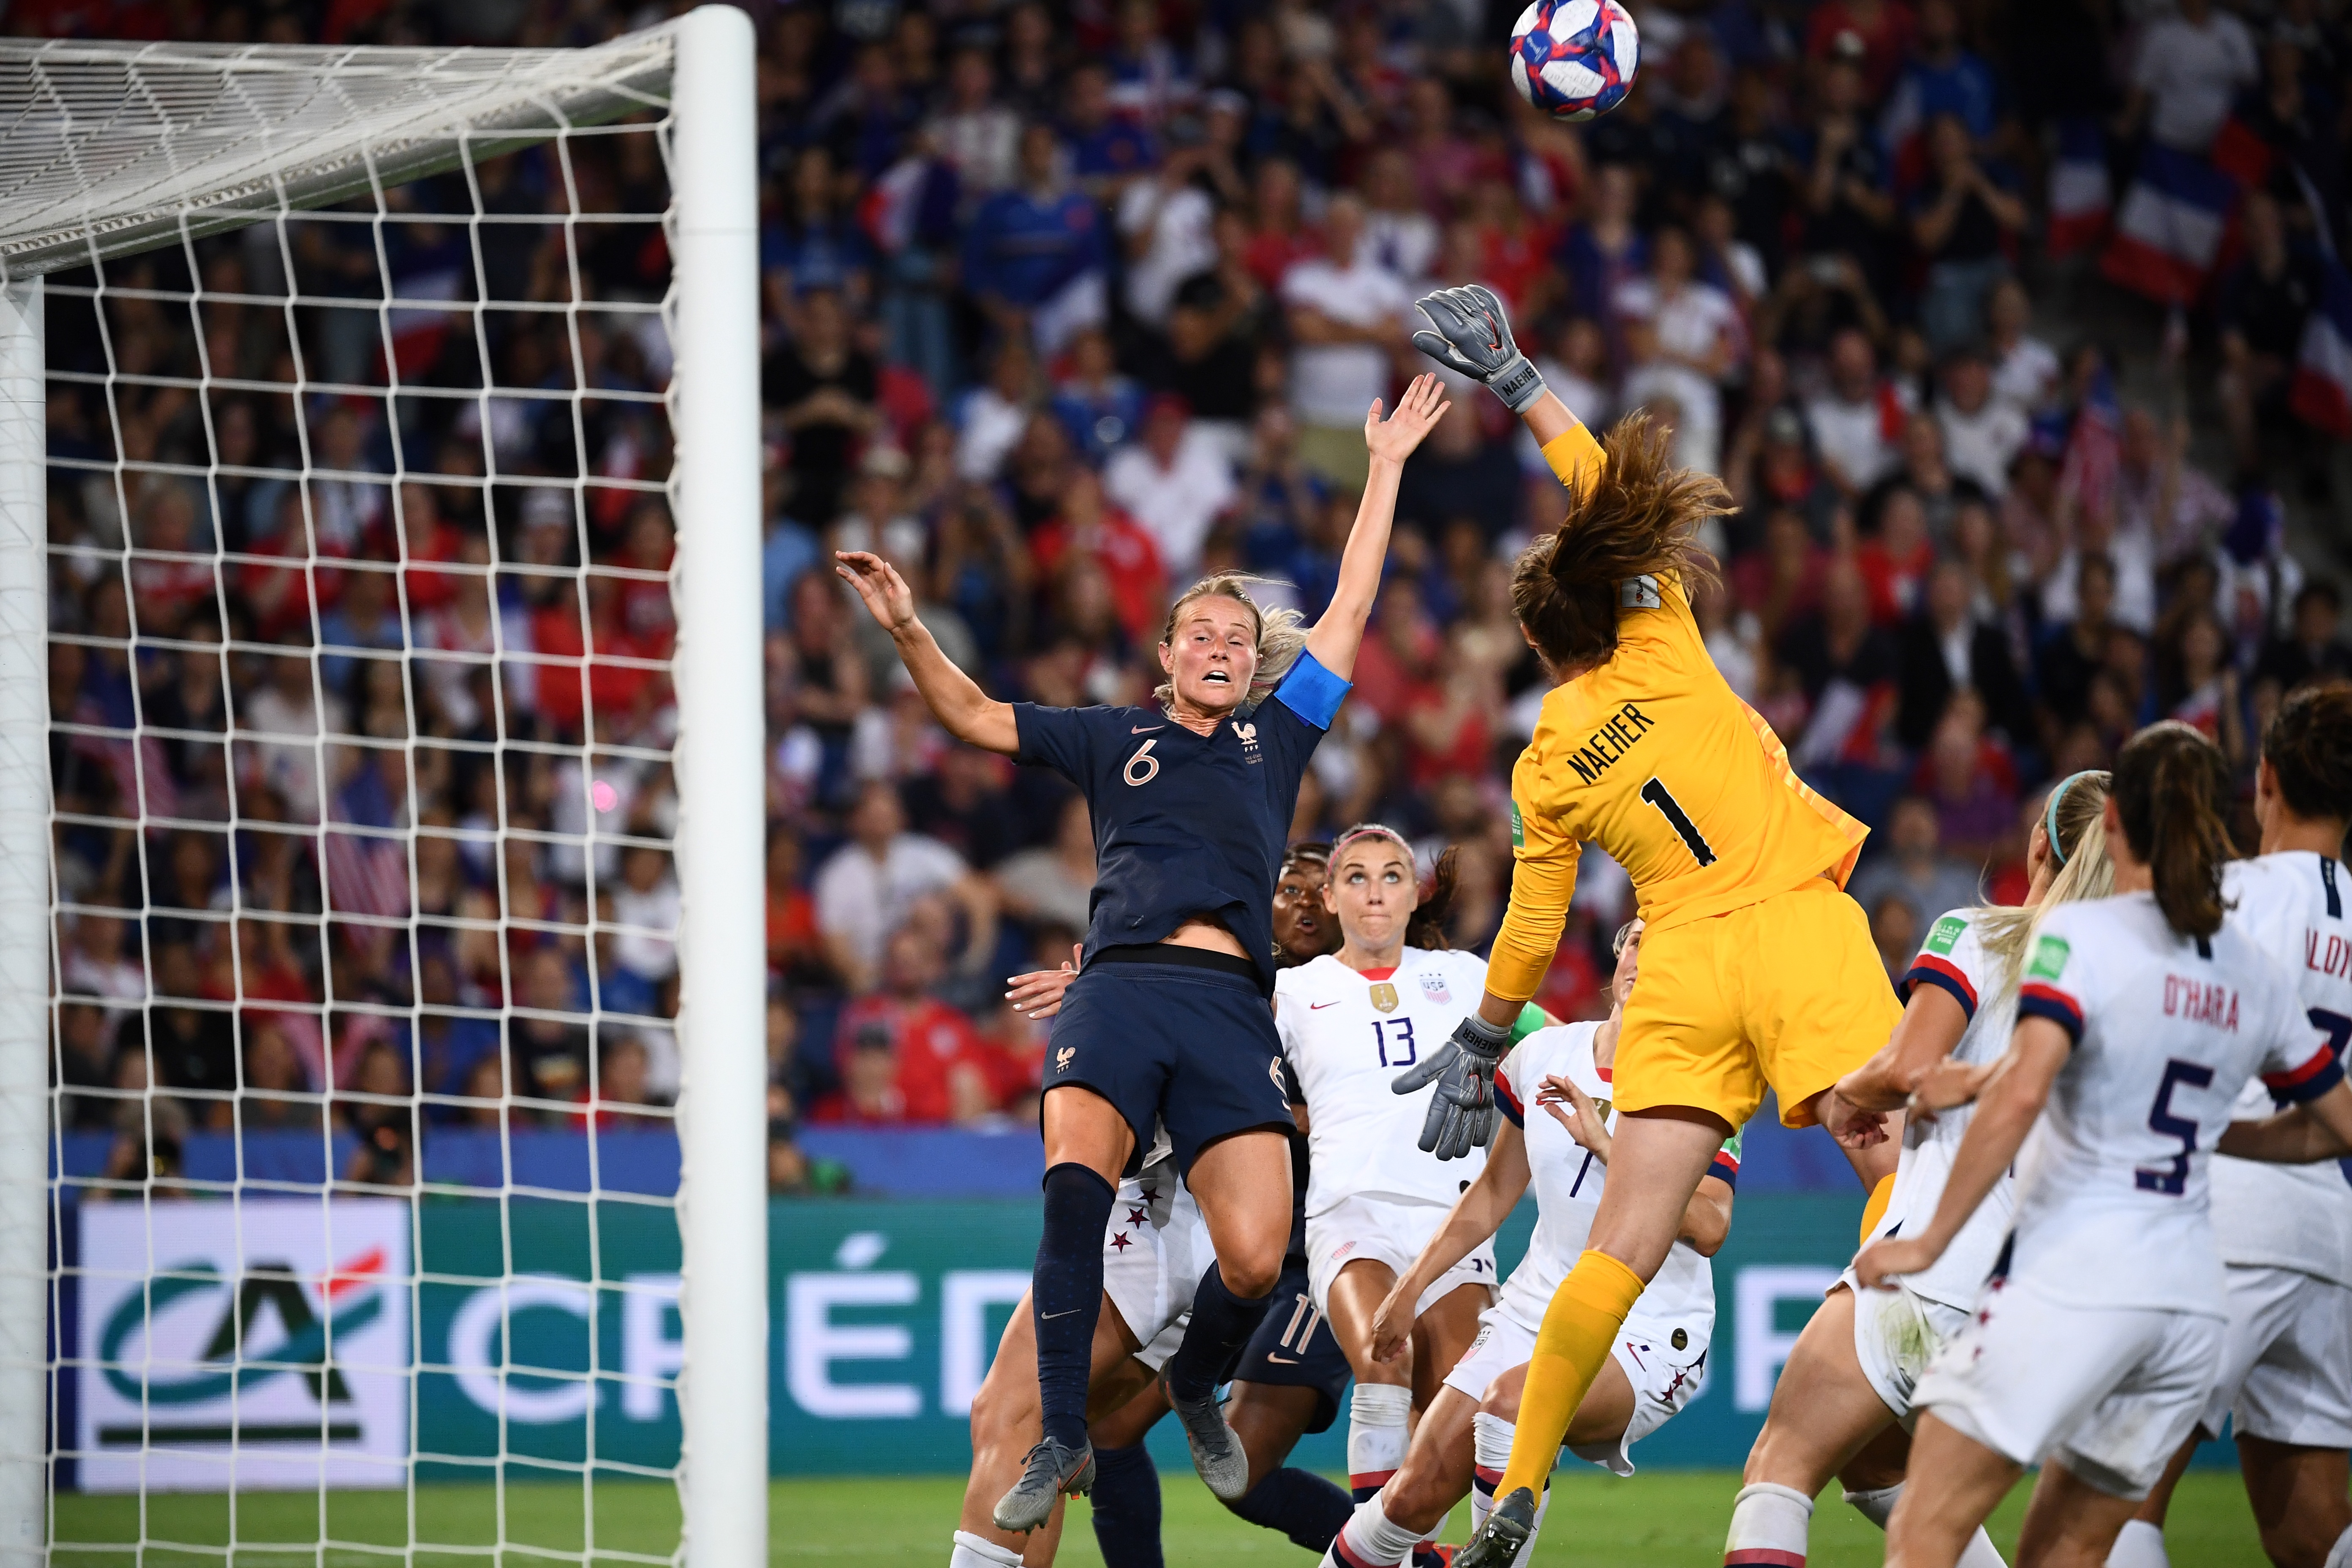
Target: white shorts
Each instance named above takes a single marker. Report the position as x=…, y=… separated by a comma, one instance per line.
x=1665, y=1376
x=1390, y=1233
x=2286, y=1360
x=1155, y=1250
x=2108, y=1391
x=1897, y=1333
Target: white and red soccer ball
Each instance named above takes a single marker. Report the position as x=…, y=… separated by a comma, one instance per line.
x=1574, y=59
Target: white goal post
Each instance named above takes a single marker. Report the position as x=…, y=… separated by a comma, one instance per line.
x=110, y=152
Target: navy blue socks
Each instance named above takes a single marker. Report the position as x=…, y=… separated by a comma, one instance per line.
x=1299, y=1503
x=1127, y=1508
x=1222, y=1324
x=1065, y=1295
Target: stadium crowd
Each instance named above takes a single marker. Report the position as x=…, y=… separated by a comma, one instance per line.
x=1065, y=305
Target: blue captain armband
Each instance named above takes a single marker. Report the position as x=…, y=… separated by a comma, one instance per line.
x=1311, y=691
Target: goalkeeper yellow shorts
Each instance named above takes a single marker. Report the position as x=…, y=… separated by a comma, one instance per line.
x=1788, y=991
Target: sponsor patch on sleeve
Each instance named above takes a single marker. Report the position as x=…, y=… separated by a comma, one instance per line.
x=1947, y=934
x=2049, y=958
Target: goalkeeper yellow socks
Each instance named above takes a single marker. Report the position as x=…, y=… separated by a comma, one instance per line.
x=1584, y=1316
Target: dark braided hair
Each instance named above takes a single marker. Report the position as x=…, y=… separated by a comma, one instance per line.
x=2172, y=790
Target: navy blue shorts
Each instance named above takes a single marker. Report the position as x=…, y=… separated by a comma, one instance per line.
x=1175, y=1045
x=1295, y=1348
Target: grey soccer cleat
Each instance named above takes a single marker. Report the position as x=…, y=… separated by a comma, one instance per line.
x=1216, y=1451
x=1500, y=1540
x=1051, y=1470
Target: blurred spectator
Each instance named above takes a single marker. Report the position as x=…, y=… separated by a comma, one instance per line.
x=1912, y=867
x=1054, y=883
x=2262, y=302
x=2024, y=368
x=1895, y=932
x=1962, y=221
x=1176, y=481
x=822, y=389
x=1982, y=434
x=1034, y=257
x=2188, y=67
x=908, y=1057
x=870, y=885
x=1101, y=409
x=1858, y=417
x=2314, y=647
x=1346, y=314
x=1945, y=650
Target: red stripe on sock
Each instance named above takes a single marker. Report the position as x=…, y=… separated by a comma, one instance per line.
x=1373, y=1478
x=1340, y=1550
x=1763, y=1557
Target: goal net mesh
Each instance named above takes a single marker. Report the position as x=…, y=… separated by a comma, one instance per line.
x=360, y=494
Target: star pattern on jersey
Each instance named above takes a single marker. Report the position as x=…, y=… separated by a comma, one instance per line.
x=1119, y=1243
x=1135, y=1215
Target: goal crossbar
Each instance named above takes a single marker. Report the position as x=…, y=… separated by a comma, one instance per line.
x=106, y=151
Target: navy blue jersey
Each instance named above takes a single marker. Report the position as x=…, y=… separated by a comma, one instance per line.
x=1187, y=824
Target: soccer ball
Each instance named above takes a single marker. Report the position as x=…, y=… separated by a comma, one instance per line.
x=1574, y=59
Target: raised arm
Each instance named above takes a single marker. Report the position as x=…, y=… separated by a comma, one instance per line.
x=956, y=700
x=2012, y=1098
x=1477, y=1215
x=1473, y=338
x=1336, y=637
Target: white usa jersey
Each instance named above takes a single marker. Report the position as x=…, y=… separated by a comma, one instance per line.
x=2112, y=1188
x=1347, y=1035
x=1567, y=1182
x=1953, y=961
x=2292, y=1216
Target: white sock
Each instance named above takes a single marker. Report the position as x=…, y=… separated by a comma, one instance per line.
x=2339, y=1555
x=1491, y=1441
x=1769, y=1524
x=1371, y=1542
x=1376, y=1434
x=971, y=1552
x=2141, y=1545
x=1980, y=1552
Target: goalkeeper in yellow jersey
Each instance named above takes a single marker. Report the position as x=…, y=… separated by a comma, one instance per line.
x=1756, y=969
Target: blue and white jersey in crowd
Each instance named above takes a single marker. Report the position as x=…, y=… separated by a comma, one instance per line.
x=1187, y=824
x=2292, y=1217
x=2112, y=1189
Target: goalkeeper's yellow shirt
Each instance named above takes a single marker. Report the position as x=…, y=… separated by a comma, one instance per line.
x=1652, y=757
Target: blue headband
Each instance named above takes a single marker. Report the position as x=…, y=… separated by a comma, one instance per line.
x=2049, y=813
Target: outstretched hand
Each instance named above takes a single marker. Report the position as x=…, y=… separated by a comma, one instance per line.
x=1945, y=1086
x=1885, y=1260
x=1038, y=994
x=887, y=598
x=1417, y=414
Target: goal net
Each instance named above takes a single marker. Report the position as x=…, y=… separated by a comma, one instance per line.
x=382, y=1051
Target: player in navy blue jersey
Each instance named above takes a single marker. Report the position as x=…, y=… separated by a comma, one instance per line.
x=1168, y=1025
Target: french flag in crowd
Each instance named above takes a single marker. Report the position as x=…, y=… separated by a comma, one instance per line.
x=2168, y=233
x=2322, y=392
x=2080, y=193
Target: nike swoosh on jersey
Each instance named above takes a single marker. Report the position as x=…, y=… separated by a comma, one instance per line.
x=1318, y=1007
x=1282, y=1360
x=1144, y=729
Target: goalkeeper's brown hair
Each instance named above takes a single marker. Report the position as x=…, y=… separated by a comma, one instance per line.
x=1638, y=516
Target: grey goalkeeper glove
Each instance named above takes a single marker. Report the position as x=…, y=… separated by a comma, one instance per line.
x=1461, y=1113
x=1473, y=339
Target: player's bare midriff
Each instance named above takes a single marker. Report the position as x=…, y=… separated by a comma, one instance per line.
x=1207, y=931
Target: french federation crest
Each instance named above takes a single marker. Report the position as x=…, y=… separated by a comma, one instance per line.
x=1384, y=996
